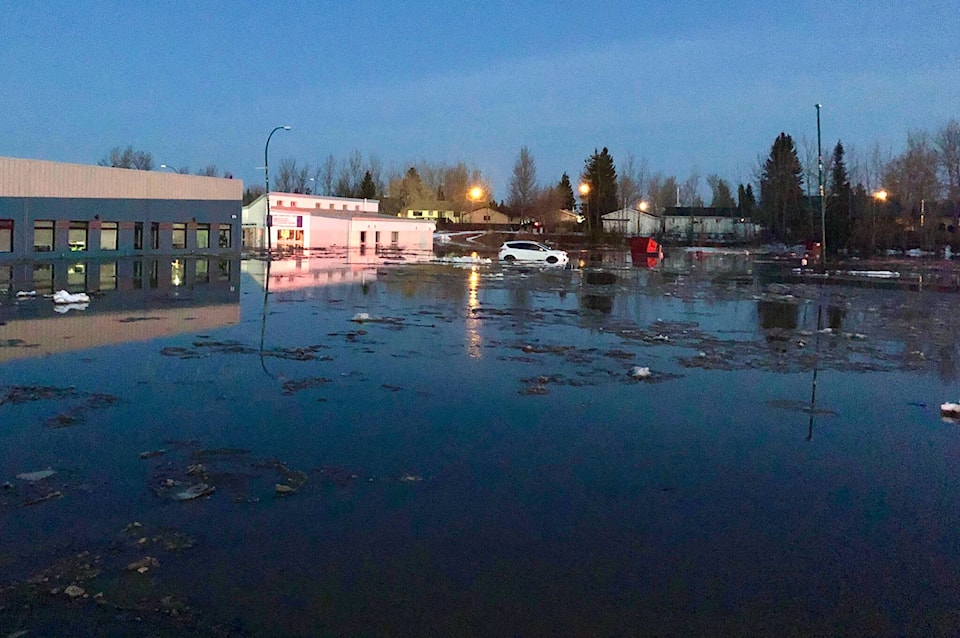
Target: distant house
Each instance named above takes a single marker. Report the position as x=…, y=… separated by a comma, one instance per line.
x=432, y=211
x=485, y=215
x=631, y=221
x=312, y=221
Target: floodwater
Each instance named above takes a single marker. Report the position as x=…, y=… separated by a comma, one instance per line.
x=437, y=449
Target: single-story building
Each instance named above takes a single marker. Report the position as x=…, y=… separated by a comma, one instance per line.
x=632, y=221
x=52, y=210
x=705, y=223
x=485, y=215
x=433, y=211
x=314, y=221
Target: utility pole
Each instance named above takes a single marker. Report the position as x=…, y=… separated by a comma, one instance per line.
x=823, y=213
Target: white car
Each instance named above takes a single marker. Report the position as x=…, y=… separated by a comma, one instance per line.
x=531, y=251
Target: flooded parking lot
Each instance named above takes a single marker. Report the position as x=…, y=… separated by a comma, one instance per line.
x=714, y=445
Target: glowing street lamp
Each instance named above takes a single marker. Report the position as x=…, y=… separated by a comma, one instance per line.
x=266, y=181
x=643, y=206
x=879, y=197
x=170, y=167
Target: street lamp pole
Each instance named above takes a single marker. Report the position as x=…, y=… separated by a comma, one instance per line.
x=266, y=180
x=823, y=212
x=170, y=167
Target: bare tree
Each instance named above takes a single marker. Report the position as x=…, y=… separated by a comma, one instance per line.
x=912, y=176
x=948, y=155
x=523, y=182
x=690, y=190
x=325, y=176
x=128, y=158
x=210, y=170
x=631, y=181
x=375, y=168
x=292, y=178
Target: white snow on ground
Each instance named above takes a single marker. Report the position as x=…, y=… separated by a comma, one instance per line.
x=880, y=274
x=26, y=293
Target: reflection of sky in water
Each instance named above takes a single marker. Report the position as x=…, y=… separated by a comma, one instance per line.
x=604, y=506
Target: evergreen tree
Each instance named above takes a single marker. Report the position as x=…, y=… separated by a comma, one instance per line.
x=368, y=189
x=568, y=201
x=746, y=201
x=781, y=191
x=839, y=203
x=601, y=175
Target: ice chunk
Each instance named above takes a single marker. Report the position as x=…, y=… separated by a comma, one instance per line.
x=640, y=373
x=62, y=296
x=33, y=477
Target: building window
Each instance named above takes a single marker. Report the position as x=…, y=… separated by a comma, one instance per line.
x=179, y=238
x=138, y=236
x=223, y=268
x=331, y=206
x=6, y=235
x=394, y=238
x=356, y=207
x=293, y=204
x=77, y=236
x=279, y=202
x=363, y=237
x=203, y=235
x=155, y=236
x=418, y=213
x=318, y=205
x=344, y=207
x=486, y=218
x=108, y=236
x=225, y=238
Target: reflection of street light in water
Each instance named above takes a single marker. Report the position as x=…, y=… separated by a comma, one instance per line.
x=473, y=323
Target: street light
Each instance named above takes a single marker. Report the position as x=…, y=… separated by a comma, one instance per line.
x=823, y=214
x=584, y=194
x=170, y=167
x=879, y=197
x=266, y=181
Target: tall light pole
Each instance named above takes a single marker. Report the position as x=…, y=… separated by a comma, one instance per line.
x=170, y=167
x=823, y=211
x=266, y=180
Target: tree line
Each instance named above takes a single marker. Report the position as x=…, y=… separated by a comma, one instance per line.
x=871, y=200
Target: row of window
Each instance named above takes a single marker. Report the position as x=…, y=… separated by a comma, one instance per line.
x=293, y=204
x=44, y=236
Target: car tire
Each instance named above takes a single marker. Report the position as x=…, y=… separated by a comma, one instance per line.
x=508, y=257
x=552, y=260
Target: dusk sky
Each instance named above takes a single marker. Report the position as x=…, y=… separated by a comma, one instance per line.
x=704, y=86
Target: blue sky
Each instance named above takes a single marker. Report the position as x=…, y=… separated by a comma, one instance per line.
x=684, y=86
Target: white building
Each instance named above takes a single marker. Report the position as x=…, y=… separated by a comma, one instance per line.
x=631, y=221
x=316, y=221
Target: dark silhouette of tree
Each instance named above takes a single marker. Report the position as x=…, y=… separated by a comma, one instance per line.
x=839, y=204
x=368, y=189
x=722, y=196
x=565, y=189
x=601, y=176
x=747, y=202
x=523, y=182
x=781, y=191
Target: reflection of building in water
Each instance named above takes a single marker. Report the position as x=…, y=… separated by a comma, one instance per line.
x=130, y=300
x=319, y=269
x=311, y=221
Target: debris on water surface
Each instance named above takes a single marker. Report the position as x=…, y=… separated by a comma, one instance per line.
x=64, y=297
x=360, y=317
x=33, y=477
x=73, y=591
x=149, y=454
x=142, y=565
x=951, y=410
x=194, y=491
x=638, y=372
x=411, y=478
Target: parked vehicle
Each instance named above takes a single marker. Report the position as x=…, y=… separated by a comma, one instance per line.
x=531, y=251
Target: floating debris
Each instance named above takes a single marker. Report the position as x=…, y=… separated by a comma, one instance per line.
x=143, y=565
x=194, y=491
x=64, y=297
x=360, y=317
x=73, y=591
x=33, y=477
x=638, y=372
x=149, y=454
x=951, y=410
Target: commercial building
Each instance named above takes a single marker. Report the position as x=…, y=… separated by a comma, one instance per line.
x=315, y=221
x=52, y=210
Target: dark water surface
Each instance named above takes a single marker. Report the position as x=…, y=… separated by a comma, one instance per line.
x=475, y=458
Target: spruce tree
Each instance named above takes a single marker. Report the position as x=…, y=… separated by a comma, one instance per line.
x=565, y=189
x=601, y=175
x=781, y=192
x=839, y=202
